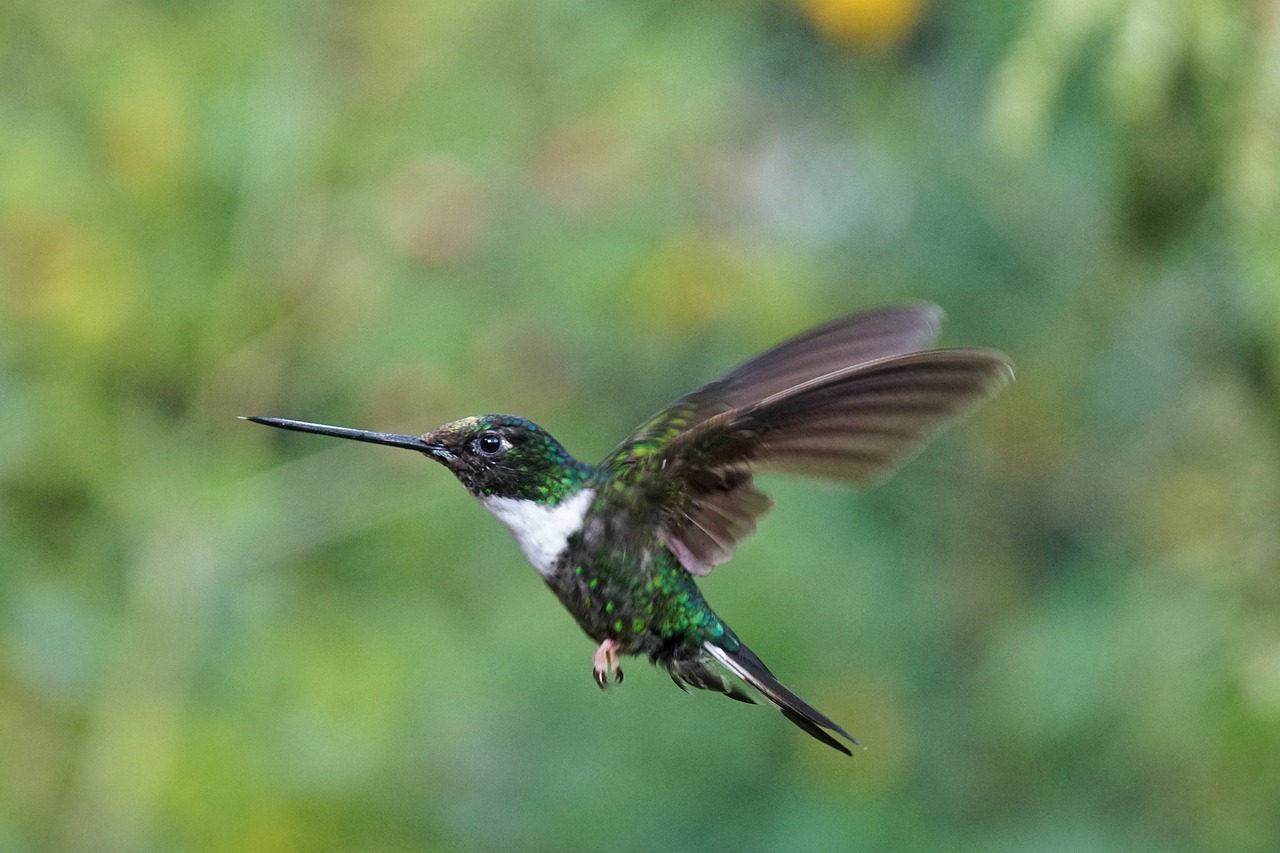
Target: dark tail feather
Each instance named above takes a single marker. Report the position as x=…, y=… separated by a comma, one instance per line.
x=744, y=664
x=700, y=673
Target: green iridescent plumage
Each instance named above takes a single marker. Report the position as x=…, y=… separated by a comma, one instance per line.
x=620, y=543
x=542, y=470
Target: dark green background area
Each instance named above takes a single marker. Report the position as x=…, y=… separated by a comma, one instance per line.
x=1058, y=629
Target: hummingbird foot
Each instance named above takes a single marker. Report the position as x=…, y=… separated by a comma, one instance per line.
x=605, y=665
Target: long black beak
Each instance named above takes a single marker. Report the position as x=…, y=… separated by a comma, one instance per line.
x=391, y=439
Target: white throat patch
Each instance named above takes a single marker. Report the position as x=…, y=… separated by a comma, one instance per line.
x=542, y=531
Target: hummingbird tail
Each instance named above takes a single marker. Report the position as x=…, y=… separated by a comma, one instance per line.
x=744, y=664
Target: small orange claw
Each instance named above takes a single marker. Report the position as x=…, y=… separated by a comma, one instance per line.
x=604, y=665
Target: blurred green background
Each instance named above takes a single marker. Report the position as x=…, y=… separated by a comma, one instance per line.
x=1058, y=629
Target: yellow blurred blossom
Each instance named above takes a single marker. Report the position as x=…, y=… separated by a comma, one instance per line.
x=866, y=24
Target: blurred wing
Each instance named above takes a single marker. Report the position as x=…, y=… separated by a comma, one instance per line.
x=855, y=425
x=823, y=350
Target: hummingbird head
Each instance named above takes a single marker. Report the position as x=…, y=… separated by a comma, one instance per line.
x=494, y=456
x=505, y=456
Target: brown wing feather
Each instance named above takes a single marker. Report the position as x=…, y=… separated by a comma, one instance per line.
x=714, y=511
x=850, y=399
x=855, y=425
x=833, y=346
x=861, y=425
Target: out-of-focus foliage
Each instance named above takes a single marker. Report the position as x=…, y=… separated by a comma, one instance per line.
x=1059, y=629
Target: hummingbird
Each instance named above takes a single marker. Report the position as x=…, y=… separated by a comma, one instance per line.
x=621, y=543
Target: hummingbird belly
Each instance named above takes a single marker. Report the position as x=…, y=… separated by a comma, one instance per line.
x=643, y=600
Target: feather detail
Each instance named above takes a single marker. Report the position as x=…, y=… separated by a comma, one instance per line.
x=856, y=425
x=718, y=511
x=861, y=425
x=701, y=672
x=855, y=339
x=745, y=665
x=850, y=400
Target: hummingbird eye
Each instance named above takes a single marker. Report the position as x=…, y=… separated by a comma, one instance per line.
x=489, y=444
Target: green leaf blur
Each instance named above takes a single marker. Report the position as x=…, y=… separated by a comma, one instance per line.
x=1058, y=629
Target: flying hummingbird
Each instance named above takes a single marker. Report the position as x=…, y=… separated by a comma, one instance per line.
x=620, y=543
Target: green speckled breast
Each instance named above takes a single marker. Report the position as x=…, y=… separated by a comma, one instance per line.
x=634, y=592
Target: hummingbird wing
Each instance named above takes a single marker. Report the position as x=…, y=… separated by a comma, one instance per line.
x=853, y=423
x=717, y=505
x=836, y=345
